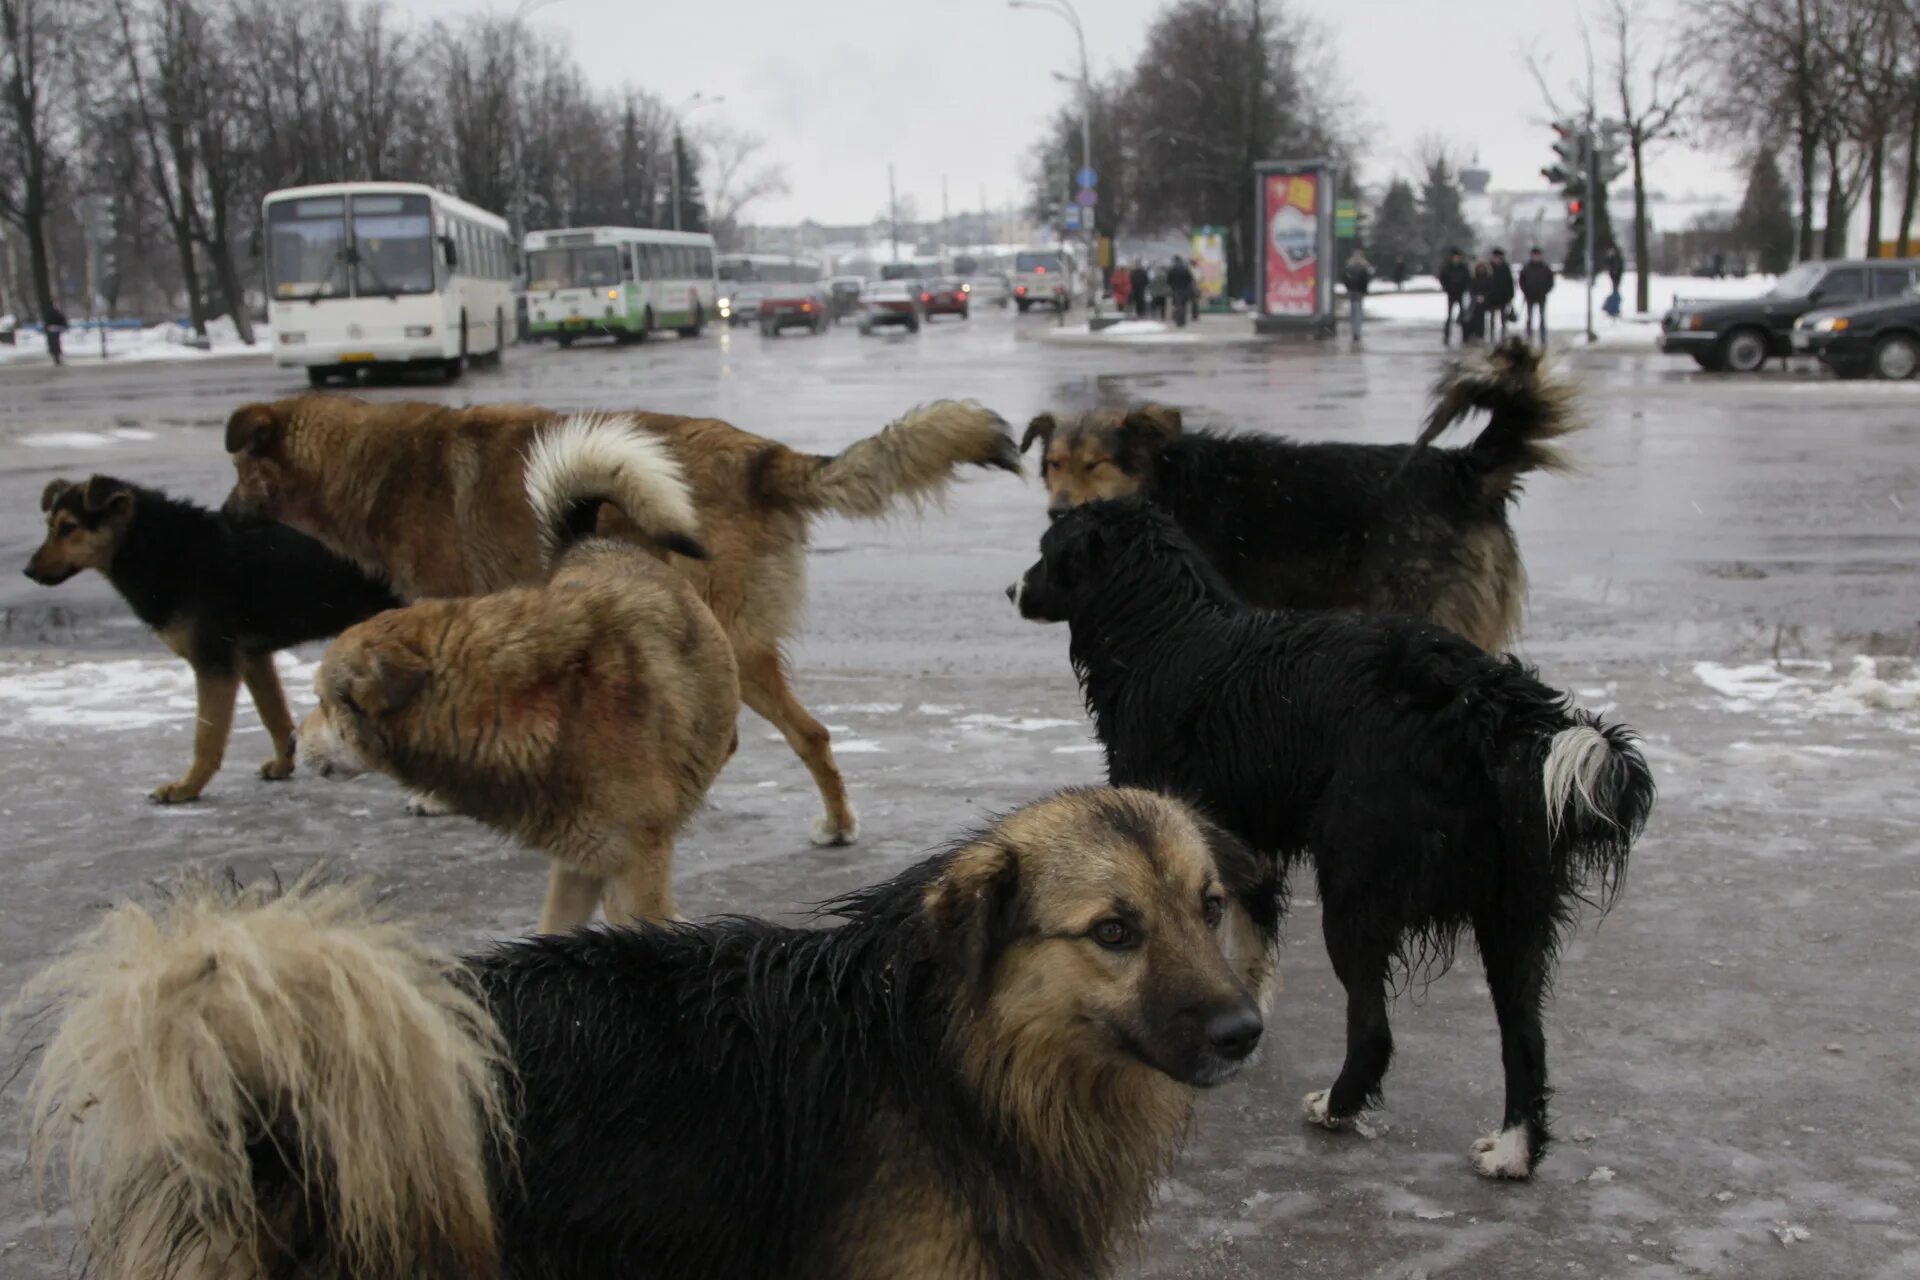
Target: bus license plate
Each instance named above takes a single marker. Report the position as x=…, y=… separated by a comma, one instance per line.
x=356, y=357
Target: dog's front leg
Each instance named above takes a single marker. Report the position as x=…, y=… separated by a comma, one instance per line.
x=216, y=693
x=572, y=897
x=270, y=700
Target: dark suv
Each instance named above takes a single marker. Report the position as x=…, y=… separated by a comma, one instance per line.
x=1739, y=335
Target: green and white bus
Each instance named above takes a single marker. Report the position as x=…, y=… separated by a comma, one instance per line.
x=621, y=282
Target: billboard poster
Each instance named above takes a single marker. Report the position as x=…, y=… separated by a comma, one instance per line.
x=1210, y=264
x=1291, y=205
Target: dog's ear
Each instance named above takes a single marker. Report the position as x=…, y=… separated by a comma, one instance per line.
x=383, y=680
x=975, y=902
x=253, y=428
x=1150, y=426
x=51, y=494
x=105, y=496
x=1041, y=429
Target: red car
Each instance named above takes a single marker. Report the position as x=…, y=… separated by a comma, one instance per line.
x=946, y=298
x=791, y=305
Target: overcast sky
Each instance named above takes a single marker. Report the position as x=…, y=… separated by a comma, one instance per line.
x=959, y=89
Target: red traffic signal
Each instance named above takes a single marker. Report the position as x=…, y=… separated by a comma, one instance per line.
x=1573, y=208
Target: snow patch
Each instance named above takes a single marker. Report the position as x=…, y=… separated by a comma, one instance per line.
x=116, y=695
x=1018, y=724
x=1871, y=685
x=857, y=747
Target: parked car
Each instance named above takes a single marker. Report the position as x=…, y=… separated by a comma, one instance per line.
x=1880, y=337
x=844, y=295
x=788, y=306
x=1740, y=335
x=1042, y=278
x=739, y=304
x=890, y=302
x=947, y=297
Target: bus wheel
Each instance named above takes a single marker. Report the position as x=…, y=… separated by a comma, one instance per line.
x=565, y=340
x=699, y=323
x=499, y=339
x=318, y=375
x=646, y=326
x=458, y=365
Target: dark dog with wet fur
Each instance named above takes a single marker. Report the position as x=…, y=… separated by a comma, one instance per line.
x=1434, y=788
x=1376, y=528
x=224, y=594
x=980, y=1075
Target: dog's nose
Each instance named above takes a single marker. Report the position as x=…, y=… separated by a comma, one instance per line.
x=1058, y=509
x=1013, y=591
x=1234, y=1033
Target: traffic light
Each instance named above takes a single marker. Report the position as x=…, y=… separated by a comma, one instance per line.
x=1569, y=170
x=1576, y=219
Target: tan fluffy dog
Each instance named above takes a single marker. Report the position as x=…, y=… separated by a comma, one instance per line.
x=586, y=717
x=433, y=498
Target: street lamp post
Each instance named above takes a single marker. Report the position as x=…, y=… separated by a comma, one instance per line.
x=694, y=102
x=1064, y=9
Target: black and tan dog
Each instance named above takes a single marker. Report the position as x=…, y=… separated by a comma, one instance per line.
x=224, y=594
x=586, y=716
x=435, y=498
x=1377, y=528
x=980, y=1075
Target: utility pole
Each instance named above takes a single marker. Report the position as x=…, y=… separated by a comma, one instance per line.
x=946, y=217
x=696, y=101
x=1064, y=9
x=893, y=212
x=1590, y=143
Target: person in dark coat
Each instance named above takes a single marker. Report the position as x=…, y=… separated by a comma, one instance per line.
x=1536, y=282
x=1473, y=321
x=1454, y=281
x=1138, y=279
x=1180, y=289
x=1358, y=277
x=1499, y=295
x=1616, y=266
x=55, y=323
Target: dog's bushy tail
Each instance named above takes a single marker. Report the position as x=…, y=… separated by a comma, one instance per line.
x=1596, y=791
x=242, y=1078
x=912, y=459
x=1528, y=407
x=580, y=462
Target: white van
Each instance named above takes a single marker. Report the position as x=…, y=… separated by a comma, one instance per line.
x=1043, y=278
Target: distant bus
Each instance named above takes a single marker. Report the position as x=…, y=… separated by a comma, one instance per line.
x=362, y=274
x=770, y=268
x=623, y=282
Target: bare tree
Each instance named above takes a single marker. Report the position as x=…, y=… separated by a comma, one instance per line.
x=34, y=38
x=1654, y=94
x=740, y=177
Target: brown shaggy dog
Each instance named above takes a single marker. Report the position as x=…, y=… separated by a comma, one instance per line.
x=979, y=1074
x=1314, y=525
x=432, y=497
x=587, y=716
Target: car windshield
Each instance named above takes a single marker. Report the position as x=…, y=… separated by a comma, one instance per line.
x=595, y=267
x=1037, y=262
x=1799, y=282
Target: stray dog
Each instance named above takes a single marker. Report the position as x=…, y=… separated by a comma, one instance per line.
x=433, y=497
x=1434, y=787
x=1377, y=528
x=587, y=717
x=224, y=594
x=980, y=1075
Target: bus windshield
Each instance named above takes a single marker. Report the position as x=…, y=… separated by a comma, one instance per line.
x=393, y=244
x=596, y=267
x=307, y=248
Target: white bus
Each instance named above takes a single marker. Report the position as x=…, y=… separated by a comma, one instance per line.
x=624, y=282
x=363, y=274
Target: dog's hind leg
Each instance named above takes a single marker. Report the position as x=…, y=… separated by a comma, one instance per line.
x=1360, y=959
x=1516, y=957
x=215, y=693
x=270, y=700
x=763, y=687
x=644, y=891
x=571, y=899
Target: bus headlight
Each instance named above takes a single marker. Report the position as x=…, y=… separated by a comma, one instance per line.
x=292, y=339
x=419, y=331
x=613, y=295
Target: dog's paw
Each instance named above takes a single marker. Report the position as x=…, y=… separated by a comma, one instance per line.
x=174, y=793
x=828, y=832
x=424, y=804
x=1503, y=1155
x=1314, y=1107
x=277, y=770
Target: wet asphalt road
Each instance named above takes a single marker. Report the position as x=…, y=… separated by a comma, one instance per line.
x=1733, y=1048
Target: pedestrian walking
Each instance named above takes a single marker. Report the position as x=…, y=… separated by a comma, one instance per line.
x=1122, y=286
x=1536, y=282
x=1180, y=289
x=1157, y=292
x=55, y=324
x=1616, y=266
x=1473, y=323
x=1455, y=278
x=1500, y=295
x=1357, y=277
x=1137, y=287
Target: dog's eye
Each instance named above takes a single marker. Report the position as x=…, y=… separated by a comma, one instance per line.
x=1212, y=909
x=1114, y=934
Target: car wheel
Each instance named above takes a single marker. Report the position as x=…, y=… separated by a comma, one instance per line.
x=1896, y=357
x=1743, y=351
x=1708, y=360
x=913, y=325
x=458, y=365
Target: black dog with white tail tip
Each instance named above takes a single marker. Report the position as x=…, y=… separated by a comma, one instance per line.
x=1435, y=788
